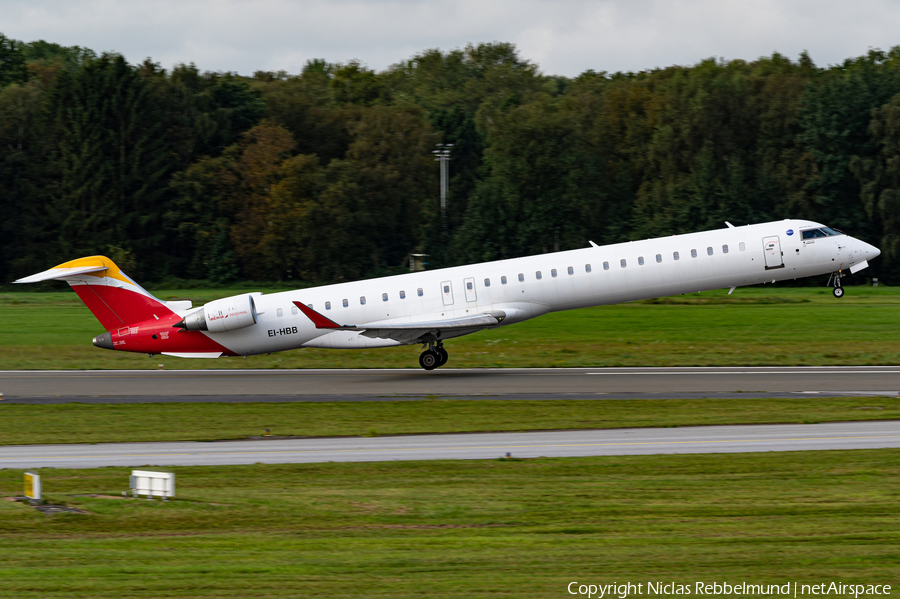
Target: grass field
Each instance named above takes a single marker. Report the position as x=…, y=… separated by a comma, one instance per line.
x=492, y=528
x=754, y=326
x=96, y=423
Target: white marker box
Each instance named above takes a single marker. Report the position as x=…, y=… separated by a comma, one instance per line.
x=152, y=484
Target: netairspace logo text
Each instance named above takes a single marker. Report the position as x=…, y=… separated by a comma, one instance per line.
x=789, y=589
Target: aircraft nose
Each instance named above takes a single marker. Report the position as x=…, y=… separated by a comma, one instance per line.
x=870, y=251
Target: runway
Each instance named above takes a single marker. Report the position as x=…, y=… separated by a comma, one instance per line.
x=713, y=439
x=132, y=386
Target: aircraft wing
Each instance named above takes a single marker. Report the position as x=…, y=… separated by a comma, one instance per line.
x=410, y=332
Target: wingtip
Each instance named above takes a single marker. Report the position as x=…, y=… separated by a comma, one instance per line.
x=317, y=319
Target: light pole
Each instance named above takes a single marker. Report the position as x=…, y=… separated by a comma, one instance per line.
x=442, y=155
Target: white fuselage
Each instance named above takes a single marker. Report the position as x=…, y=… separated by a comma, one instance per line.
x=524, y=288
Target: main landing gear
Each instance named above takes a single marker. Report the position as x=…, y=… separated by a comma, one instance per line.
x=433, y=357
x=835, y=278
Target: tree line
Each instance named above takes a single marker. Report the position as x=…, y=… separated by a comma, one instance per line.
x=328, y=175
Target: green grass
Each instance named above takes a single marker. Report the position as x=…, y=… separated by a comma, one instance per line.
x=498, y=528
x=96, y=423
x=754, y=326
x=492, y=528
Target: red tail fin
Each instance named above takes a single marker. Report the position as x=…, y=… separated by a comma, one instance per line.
x=108, y=293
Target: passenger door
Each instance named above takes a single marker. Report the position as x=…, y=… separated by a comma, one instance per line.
x=772, y=249
x=469, y=284
x=447, y=293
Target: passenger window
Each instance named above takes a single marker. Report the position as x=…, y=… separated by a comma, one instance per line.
x=384, y=297
x=521, y=278
x=328, y=305
x=345, y=303
x=675, y=255
x=419, y=292
x=294, y=310
x=659, y=257
x=622, y=263
x=487, y=282
x=606, y=266
x=537, y=275
x=725, y=249
x=587, y=268
x=553, y=273
x=279, y=312
x=469, y=285
x=362, y=300
x=693, y=253
x=742, y=247
x=640, y=260
x=402, y=295
x=446, y=288
x=570, y=270
x=709, y=251
x=503, y=280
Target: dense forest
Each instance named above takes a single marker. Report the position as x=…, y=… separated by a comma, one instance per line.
x=328, y=174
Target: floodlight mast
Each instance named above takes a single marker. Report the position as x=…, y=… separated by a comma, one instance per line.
x=442, y=155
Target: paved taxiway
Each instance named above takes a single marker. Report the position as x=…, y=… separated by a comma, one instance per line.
x=712, y=439
x=537, y=383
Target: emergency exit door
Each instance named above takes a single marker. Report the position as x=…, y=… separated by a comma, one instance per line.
x=447, y=293
x=469, y=284
x=772, y=249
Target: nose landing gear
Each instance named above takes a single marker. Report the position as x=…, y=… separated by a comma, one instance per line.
x=835, y=278
x=434, y=357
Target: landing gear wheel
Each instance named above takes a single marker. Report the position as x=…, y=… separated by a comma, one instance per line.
x=429, y=359
x=835, y=279
x=443, y=354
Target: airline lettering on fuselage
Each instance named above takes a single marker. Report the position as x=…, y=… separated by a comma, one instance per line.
x=284, y=331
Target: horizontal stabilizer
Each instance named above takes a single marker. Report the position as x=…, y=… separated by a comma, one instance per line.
x=61, y=273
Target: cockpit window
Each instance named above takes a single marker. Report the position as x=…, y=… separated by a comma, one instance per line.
x=823, y=232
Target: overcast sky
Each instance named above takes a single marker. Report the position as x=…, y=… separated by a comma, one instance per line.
x=564, y=37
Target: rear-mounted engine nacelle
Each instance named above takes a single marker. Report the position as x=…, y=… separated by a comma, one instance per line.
x=221, y=316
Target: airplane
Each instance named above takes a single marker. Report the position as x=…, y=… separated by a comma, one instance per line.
x=430, y=307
